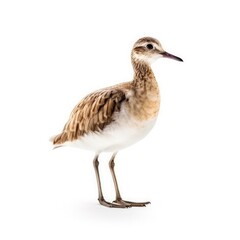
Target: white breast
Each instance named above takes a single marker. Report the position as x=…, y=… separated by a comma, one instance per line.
x=123, y=132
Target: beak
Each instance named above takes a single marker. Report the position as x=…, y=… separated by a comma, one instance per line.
x=168, y=55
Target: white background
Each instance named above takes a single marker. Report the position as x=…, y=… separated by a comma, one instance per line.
x=52, y=53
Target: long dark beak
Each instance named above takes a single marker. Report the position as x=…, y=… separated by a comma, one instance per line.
x=168, y=55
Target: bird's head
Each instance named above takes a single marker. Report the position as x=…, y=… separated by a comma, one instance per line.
x=149, y=49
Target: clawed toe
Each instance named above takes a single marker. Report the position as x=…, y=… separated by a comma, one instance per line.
x=122, y=202
x=114, y=204
x=131, y=204
x=119, y=203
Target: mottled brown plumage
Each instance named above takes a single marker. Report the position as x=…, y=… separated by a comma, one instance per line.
x=98, y=109
x=116, y=117
x=92, y=114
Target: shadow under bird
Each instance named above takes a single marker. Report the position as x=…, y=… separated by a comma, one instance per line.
x=116, y=117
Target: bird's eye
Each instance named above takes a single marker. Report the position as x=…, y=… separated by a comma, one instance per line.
x=149, y=46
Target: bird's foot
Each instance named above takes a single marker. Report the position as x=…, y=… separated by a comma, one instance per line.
x=114, y=204
x=131, y=204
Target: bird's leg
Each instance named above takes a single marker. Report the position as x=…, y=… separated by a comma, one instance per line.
x=101, y=199
x=119, y=199
x=111, y=166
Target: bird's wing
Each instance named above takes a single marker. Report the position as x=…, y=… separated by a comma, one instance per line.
x=92, y=114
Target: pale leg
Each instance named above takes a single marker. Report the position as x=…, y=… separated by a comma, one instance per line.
x=119, y=199
x=101, y=199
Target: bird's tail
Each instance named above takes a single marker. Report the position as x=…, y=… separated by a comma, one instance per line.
x=58, y=140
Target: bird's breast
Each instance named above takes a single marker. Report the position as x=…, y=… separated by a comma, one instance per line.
x=144, y=105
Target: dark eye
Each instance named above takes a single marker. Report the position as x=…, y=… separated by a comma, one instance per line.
x=149, y=46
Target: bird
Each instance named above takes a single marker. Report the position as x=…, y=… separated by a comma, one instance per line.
x=115, y=117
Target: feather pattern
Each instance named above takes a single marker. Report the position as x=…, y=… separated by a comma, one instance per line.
x=92, y=114
x=139, y=99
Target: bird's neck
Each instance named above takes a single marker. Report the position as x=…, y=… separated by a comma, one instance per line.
x=143, y=75
x=146, y=99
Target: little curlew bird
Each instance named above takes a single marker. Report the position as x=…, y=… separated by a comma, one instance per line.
x=116, y=117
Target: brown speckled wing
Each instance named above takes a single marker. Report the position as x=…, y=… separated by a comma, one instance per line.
x=92, y=114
